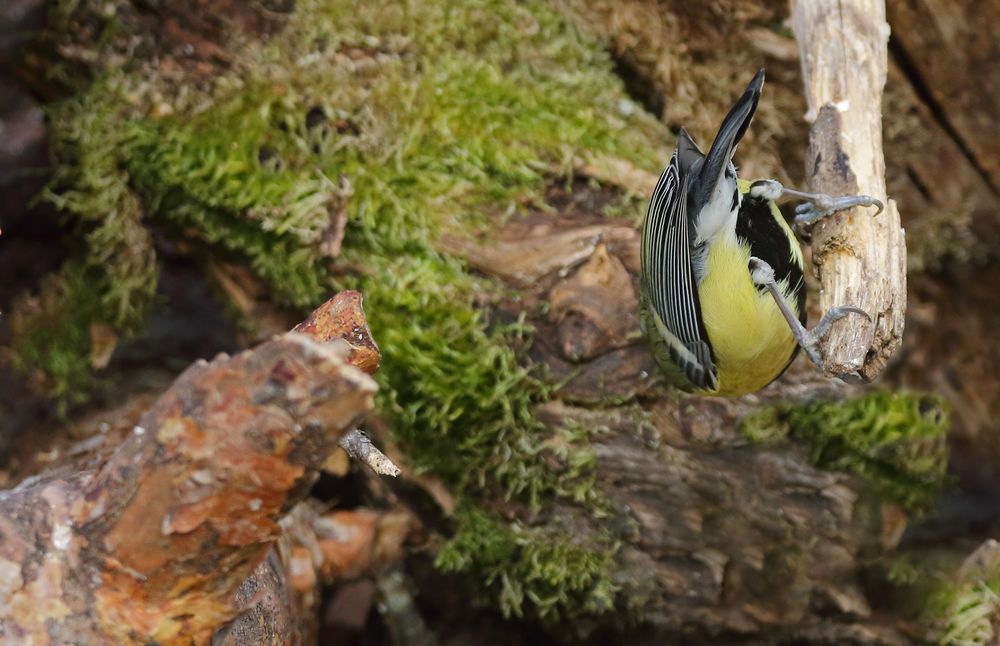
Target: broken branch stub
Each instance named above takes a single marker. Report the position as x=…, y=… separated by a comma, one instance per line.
x=342, y=320
x=860, y=257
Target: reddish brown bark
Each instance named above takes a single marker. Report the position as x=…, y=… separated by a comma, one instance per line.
x=156, y=543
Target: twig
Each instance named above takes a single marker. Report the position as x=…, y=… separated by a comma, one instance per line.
x=860, y=259
x=360, y=447
x=342, y=320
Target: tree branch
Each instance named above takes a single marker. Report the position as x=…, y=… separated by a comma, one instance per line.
x=860, y=259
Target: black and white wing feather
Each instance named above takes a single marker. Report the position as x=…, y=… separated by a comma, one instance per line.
x=668, y=280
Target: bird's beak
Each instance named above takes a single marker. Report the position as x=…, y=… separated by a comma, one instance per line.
x=732, y=130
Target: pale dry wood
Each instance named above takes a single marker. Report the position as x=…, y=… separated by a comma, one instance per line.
x=360, y=447
x=860, y=258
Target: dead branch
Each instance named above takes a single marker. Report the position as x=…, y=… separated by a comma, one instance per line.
x=284, y=589
x=156, y=543
x=342, y=320
x=860, y=259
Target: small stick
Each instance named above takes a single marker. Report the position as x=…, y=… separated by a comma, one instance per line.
x=342, y=320
x=359, y=446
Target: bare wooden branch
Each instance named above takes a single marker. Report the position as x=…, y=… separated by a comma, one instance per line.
x=360, y=447
x=860, y=258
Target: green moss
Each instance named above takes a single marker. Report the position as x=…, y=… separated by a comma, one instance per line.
x=894, y=441
x=53, y=331
x=536, y=571
x=112, y=281
x=962, y=613
x=92, y=190
x=904, y=571
x=956, y=601
x=443, y=116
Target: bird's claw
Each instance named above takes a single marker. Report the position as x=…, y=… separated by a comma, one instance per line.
x=820, y=205
x=815, y=206
x=813, y=337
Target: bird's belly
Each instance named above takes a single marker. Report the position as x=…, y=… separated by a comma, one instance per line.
x=751, y=339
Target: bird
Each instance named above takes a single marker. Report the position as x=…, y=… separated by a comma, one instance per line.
x=722, y=289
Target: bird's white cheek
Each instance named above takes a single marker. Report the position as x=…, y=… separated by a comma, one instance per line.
x=719, y=215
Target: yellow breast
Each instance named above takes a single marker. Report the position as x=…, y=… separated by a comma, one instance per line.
x=751, y=339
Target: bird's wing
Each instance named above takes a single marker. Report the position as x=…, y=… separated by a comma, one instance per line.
x=669, y=281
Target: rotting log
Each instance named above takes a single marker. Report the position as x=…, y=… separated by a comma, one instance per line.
x=281, y=596
x=157, y=542
x=860, y=258
x=716, y=534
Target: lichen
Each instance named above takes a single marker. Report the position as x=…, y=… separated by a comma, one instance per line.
x=442, y=115
x=894, y=441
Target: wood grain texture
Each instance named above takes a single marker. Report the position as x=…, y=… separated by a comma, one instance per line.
x=860, y=258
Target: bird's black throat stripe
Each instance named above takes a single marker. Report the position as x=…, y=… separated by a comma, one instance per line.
x=755, y=225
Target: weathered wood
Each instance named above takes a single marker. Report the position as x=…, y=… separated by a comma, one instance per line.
x=860, y=258
x=717, y=535
x=156, y=543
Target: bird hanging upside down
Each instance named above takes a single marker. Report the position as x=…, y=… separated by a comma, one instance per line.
x=722, y=287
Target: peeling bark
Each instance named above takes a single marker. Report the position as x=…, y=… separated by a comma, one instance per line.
x=156, y=543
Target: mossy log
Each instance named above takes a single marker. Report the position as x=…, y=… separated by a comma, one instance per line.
x=478, y=172
x=700, y=528
x=707, y=516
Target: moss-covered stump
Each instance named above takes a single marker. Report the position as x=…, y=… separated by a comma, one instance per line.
x=476, y=169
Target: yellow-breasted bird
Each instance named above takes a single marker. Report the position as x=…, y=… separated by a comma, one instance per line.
x=722, y=290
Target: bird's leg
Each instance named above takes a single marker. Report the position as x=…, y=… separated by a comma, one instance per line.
x=762, y=275
x=816, y=206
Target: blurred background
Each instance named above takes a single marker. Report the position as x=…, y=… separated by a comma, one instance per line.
x=187, y=178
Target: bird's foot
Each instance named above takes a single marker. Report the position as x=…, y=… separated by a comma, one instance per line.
x=819, y=205
x=816, y=206
x=762, y=275
x=810, y=339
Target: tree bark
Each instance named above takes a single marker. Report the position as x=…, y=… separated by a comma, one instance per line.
x=860, y=258
x=156, y=543
x=962, y=87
